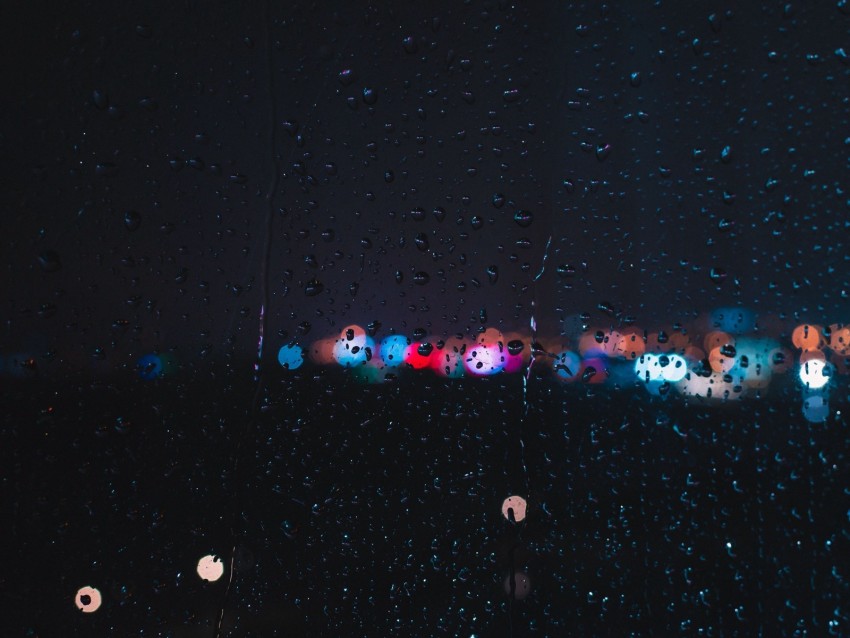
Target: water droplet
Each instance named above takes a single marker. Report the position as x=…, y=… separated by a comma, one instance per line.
x=290, y=126
x=728, y=350
x=515, y=347
x=370, y=96
x=132, y=220
x=603, y=151
x=498, y=200
x=149, y=104
x=106, y=169
x=313, y=287
x=421, y=241
x=421, y=278
x=409, y=44
x=523, y=218
x=100, y=99
x=493, y=273
x=418, y=214
x=726, y=154
x=425, y=349
x=717, y=275
x=439, y=213
x=635, y=78
x=49, y=261
x=714, y=22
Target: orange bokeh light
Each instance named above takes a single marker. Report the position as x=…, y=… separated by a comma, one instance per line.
x=720, y=362
x=807, y=337
x=631, y=345
x=715, y=339
x=839, y=339
x=812, y=355
x=322, y=351
x=352, y=332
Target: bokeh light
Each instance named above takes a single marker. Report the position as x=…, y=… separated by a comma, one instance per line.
x=807, y=337
x=322, y=351
x=448, y=360
x=484, y=360
x=290, y=357
x=149, y=366
x=418, y=354
x=815, y=373
x=647, y=368
x=839, y=339
x=353, y=348
x=673, y=367
x=594, y=369
x=631, y=345
x=210, y=568
x=517, y=504
x=88, y=599
x=717, y=339
x=815, y=408
x=393, y=348
x=567, y=365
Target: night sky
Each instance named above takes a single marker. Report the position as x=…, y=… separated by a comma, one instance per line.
x=182, y=179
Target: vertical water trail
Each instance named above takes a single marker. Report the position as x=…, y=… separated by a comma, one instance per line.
x=525, y=379
x=527, y=376
x=259, y=362
x=270, y=200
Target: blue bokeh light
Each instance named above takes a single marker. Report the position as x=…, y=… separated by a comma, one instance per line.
x=150, y=366
x=393, y=349
x=290, y=357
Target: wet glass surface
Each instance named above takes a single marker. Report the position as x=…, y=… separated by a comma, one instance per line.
x=459, y=318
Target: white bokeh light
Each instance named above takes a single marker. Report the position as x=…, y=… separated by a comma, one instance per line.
x=210, y=568
x=676, y=367
x=814, y=373
x=647, y=368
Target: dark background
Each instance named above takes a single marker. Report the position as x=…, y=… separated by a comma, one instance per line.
x=169, y=169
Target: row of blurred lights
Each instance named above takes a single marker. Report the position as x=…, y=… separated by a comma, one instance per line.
x=210, y=567
x=721, y=365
